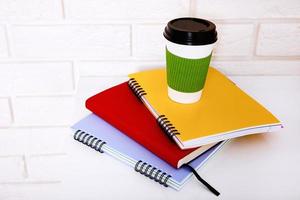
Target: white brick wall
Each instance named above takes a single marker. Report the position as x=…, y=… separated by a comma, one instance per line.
x=148, y=41
x=128, y=10
x=3, y=42
x=30, y=10
x=115, y=68
x=20, y=141
x=33, y=78
x=47, y=46
x=234, y=40
x=71, y=41
x=44, y=111
x=5, y=114
x=279, y=39
x=255, y=9
x=11, y=169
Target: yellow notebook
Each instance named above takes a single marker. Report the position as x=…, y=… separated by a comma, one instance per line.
x=224, y=111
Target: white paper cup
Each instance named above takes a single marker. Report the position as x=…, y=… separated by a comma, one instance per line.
x=189, y=45
x=191, y=52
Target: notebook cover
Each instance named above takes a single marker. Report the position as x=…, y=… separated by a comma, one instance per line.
x=118, y=141
x=122, y=109
x=223, y=106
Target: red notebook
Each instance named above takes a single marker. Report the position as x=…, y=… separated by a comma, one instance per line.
x=122, y=109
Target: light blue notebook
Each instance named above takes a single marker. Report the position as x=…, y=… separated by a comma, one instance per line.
x=101, y=136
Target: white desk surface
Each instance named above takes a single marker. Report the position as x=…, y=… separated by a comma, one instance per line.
x=265, y=166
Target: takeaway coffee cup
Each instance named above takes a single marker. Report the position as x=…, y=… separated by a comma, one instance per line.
x=189, y=45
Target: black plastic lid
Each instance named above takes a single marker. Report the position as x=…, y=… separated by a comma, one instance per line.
x=191, y=31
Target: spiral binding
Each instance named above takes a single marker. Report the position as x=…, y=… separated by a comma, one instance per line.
x=152, y=172
x=167, y=126
x=162, y=120
x=136, y=88
x=89, y=140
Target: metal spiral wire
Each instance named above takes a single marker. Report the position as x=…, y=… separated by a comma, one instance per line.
x=167, y=126
x=152, y=173
x=89, y=140
x=136, y=88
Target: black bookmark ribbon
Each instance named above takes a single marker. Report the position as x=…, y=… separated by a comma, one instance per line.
x=213, y=190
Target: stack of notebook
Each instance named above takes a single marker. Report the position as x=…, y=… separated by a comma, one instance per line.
x=137, y=123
